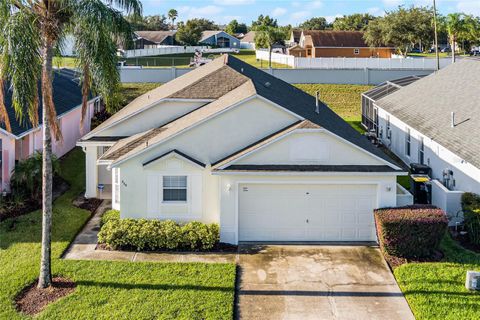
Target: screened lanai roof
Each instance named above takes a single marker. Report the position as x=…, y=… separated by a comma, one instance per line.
x=389, y=87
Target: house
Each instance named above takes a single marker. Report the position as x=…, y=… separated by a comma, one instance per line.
x=24, y=139
x=433, y=120
x=348, y=44
x=231, y=144
x=220, y=39
x=248, y=41
x=294, y=39
x=153, y=39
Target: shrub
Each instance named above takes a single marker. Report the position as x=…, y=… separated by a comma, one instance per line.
x=109, y=215
x=143, y=234
x=471, y=213
x=411, y=231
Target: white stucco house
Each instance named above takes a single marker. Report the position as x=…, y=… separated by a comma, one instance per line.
x=24, y=139
x=433, y=120
x=231, y=144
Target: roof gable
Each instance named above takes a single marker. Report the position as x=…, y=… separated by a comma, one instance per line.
x=155, y=36
x=177, y=154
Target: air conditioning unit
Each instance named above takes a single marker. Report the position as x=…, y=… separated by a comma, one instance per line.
x=473, y=280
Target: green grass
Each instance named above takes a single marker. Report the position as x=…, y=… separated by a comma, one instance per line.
x=344, y=99
x=64, y=62
x=437, y=290
x=404, y=181
x=107, y=290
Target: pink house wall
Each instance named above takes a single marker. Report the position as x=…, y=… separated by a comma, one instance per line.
x=71, y=132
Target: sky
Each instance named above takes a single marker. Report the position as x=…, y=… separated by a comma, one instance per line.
x=292, y=11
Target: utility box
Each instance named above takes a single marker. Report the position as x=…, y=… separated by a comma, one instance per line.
x=473, y=280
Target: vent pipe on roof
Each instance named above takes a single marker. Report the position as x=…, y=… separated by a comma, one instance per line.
x=317, y=102
x=452, y=124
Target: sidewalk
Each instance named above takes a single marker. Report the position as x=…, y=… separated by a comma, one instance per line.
x=84, y=247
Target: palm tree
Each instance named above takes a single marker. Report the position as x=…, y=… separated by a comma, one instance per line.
x=30, y=30
x=172, y=15
x=266, y=37
x=455, y=25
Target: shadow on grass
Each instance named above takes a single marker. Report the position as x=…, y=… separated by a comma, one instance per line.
x=148, y=286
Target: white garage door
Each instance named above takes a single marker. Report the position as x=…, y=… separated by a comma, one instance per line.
x=284, y=212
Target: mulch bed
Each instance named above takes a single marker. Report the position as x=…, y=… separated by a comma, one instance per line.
x=91, y=204
x=60, y=186
x=32, y=300
x=464, y=241
x=395, y=262
x=220, y=247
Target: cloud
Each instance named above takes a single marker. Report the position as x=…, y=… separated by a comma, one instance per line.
x=469, y=7
x=300, y=15
x=376, y=11
x=392, y=3
x=277, y=12
x=330, y=19
x=188, y=12
x=233, y=2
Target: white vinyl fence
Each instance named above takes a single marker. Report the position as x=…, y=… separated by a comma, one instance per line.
x=334, y=76
x=353, y=63
x=164, y=50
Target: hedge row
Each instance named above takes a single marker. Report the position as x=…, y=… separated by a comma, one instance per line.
x=411, y=231
x=471, y=214
x=143, y=234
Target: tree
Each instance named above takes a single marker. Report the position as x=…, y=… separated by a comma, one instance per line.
x=188, y=33
x=172, y=15
x=266, y=37
x=264, y=21
x=234, y=27
x=401, y=28
x=149, y=23
x=353, y=22
x=318, y=23
x=34, y=28
x=457, y=28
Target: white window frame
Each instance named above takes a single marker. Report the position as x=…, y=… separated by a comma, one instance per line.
x=421, y=150
x=175, y=188
x=408, y=142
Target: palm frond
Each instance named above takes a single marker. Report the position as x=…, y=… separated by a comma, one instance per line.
x=21, y=62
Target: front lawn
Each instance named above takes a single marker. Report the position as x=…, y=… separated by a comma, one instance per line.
x=107, y=290
x=437, y=290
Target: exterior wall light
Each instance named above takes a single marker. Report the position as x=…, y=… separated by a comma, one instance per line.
x=228, y=187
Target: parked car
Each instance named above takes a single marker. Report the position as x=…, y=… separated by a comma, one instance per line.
x=415, y=50
x=475, y=53
x=432, y=50
x=447, y=49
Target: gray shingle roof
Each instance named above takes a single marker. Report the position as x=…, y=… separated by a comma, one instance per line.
x=67, y=95
x=426, y=106
x=260, y=83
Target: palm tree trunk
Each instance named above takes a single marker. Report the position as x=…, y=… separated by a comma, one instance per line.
x=453, y=49
x=45, y=278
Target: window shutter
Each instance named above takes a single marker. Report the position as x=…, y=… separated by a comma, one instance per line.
x=196, y=191
x=153, y=196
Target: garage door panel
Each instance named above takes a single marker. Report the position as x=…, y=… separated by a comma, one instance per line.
x=283, y=212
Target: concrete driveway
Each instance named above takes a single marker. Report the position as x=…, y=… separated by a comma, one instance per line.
x=317, y=282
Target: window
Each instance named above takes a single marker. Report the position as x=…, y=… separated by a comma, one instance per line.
x=421, y=150
x=356, y=51
x=174, y=188
x=408, y=139
x=309, y=52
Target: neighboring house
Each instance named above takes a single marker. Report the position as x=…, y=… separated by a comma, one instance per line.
x=297, y=51
x=231, y=144
x=25, y=139
x=349, y=44
x=220, y=39
x=294, y=37
x=248, y=41
x=434, y=120
x=67, y=49
x=153, y=39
